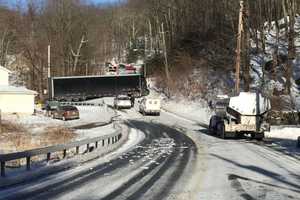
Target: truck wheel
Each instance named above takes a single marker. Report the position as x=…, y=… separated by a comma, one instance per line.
x=258, y=136
x=210, y=128
x=221, y=130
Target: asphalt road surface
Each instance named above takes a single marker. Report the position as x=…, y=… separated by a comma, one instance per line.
x=177, y=159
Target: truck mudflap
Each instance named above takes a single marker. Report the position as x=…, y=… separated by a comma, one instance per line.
x=240, y=127
x=247, y=128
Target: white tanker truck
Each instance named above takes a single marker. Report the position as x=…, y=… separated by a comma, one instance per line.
x=243, y=114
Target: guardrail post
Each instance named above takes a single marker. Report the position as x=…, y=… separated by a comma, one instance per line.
x=77, y=150
x=103, y=143
x=2, y=169
x=64, y=153
x=96, y=144
x=28, y=163
x=48, y=156
x=88, y=147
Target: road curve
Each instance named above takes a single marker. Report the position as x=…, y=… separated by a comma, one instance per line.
x=149, y=171
x=178, y=164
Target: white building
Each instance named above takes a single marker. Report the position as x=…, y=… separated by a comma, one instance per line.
x=15, y=99
x=4, y=74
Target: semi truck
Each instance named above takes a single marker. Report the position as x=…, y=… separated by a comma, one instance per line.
x=80, y=88
x=242, y=114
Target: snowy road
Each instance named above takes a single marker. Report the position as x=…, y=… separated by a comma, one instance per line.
x=150, y=171
x=177, y=159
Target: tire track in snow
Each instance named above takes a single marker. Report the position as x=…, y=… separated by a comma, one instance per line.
x=181, y=162
x=151, y=174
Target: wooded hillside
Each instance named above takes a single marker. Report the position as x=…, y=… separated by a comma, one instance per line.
x=172, y=36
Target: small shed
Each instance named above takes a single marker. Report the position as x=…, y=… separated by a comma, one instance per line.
x=4, y=74
x=16, y=100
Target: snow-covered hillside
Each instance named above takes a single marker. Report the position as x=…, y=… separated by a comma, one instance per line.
x=258, y=60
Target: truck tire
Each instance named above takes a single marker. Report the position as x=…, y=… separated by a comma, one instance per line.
x=221, y=130
x=213, y=123
x=258, y=136
x=210, y=128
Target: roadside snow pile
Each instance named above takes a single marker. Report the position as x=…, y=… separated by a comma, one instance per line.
x=94, y=132
x=288, y=133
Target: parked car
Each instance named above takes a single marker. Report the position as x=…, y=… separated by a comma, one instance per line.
x=122, y=101
x=150, y=106
x=50, y=106
x=65, y=113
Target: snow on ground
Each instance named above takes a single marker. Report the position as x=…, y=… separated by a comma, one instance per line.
x=74, y=163
x=94, y=132
x=38, y=122
x=258, y=60
x=40, y=131
x=196, y=111
x=281, y=132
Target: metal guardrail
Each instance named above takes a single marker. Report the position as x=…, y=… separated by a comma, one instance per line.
x=106, y=139
x=81, y=104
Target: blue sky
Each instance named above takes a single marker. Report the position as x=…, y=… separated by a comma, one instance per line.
x=13, y=3
x=104, y=1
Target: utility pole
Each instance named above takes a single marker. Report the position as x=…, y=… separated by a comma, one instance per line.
x=238, y=49
x=49, y=73
x=165, y=52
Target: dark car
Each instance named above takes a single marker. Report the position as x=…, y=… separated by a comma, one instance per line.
x=65, y=113
x=50, y=105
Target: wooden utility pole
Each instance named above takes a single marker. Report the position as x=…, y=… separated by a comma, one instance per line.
x=238, y=49
x=49, y=73
x=165, y=52
x=0, y=122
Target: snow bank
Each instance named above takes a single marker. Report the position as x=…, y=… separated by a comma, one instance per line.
x=196, y=111
x=280, y=132
x=94, y=132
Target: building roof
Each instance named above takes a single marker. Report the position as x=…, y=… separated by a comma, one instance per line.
x=5, y=89
x=4, y=69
